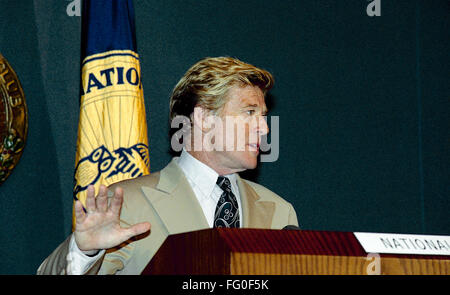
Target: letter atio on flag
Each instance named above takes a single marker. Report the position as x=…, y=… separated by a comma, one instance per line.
x=112, y=140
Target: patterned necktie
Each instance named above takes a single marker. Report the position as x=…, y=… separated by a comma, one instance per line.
x=227, y=211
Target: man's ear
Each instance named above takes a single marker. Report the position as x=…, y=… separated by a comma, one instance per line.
x=199, y=117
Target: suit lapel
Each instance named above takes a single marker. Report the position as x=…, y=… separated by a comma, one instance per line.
x=179, y=210
x=175, y=202
x=257, y=213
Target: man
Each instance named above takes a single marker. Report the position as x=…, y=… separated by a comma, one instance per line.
x=201, y=189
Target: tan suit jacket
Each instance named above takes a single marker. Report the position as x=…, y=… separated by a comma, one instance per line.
x=166, y=200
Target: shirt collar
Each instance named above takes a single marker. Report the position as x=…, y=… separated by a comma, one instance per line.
x=200, y=174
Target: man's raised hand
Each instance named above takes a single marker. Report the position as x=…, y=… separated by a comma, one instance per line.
x=99, y=227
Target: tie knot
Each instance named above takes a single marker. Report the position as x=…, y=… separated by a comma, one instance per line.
x=224, y=184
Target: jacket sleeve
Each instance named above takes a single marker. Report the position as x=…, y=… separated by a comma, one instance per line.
x=57, y=263
x=292, y=216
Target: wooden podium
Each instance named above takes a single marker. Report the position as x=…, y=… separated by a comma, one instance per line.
x=282, y=252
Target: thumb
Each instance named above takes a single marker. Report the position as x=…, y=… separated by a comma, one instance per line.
x=137, y=229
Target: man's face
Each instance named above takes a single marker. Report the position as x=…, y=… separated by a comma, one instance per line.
x=243, y=125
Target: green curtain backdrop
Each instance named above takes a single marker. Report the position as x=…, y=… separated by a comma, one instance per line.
x=363, y=105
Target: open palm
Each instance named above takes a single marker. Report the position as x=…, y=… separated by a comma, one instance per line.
x=99, y=227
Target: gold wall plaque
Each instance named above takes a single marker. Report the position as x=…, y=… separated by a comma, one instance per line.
x=13, y=119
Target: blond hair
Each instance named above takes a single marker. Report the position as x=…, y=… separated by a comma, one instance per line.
x=207, y=82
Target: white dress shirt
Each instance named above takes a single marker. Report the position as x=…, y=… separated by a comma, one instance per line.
x=202, y=180
x=79, y=263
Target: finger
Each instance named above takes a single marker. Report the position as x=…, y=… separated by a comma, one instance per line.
x=80, y=216
x=117, y=201
x=90, y=199
x=102, y=199
x=137, y=229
